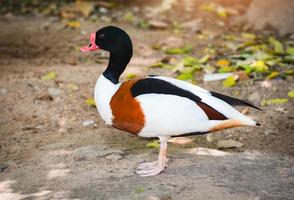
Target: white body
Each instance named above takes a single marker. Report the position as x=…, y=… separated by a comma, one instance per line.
x=169, y=115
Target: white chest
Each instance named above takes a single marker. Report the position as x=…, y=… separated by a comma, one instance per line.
x=104, y=90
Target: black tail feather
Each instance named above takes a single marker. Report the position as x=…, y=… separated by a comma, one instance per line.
x=233, y=101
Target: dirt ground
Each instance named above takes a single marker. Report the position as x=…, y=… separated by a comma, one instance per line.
x=47, y=153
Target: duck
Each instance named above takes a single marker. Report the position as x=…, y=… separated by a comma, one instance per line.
x=157, y=106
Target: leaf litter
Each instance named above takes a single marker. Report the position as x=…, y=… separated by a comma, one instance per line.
x=250, y=56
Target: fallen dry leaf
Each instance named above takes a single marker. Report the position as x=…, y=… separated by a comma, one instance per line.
x=85, y=7
x=229, y=82
x=49, y=76
x=266, y=102
x=73, y=24
x=90, y=102
x=225, y=144
x=207, y=152
x=180, y=140
x=242, y=76
x=156, y=24
x=153, y=144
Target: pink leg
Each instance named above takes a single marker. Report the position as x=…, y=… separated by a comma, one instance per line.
x=154, y=168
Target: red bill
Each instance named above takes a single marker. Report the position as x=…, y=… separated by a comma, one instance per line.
x=92, y=46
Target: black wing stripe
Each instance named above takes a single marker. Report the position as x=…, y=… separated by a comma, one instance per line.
x=233, y=101
x=157, y=86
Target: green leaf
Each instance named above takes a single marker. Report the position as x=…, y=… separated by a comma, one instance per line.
x=261, y=55
x=229, y=82
x=128, y=17
x=291, y=94
x=273, y=75
x=274, y=101
x=183, y=50
x=154, y=144
x=204, y=59
x=259, y=66
x=249, y=36
x=174, y=51
x=273, y=62
x=90, y=102
x=190, y=61
x=139, y=190
x=131, y=76
x=208, y=69
x=49, y=76
x=196, y=67
x=144, y=24
x=289, y=72
x=226, y=69
x=278, y=46
x=289, y=58
x=241, y=56
x=247, y=68
x=185, y=76
x=290, y=50
x=162, y=65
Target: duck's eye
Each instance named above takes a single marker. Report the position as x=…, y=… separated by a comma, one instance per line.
x=101, y=36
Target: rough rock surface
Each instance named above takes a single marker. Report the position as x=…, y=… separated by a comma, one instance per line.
x=273, y=13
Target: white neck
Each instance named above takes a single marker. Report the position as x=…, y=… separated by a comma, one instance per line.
x=104, y=90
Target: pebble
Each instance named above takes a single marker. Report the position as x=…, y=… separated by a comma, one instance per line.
x=268, y=132
x=105, y=19
x=54, y=92
x=103, y=10
x=225, y=144
x=113, y=157
x=88, y=122
x=40, y=127
x=156, y=24
x=209, y=138
x=193, y=25
x=3, y=91
x=2, y=167
x=255, y=97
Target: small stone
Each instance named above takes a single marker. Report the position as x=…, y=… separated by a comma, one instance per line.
x=83, y=32
x=209, y=138
x=193, y=25
x=268, y=132
x=281, y=109
x=3, y=91
x=54, y=92
x=156, y=24
x=113, y=157
x=225, y=144
x=3, y=167
x=40, y=127
x=105, y=19
x=103, y=10
x=88, y=122
x=255, y=97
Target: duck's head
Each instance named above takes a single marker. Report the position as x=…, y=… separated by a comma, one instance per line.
x=117, y=42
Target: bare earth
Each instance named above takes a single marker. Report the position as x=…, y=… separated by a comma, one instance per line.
x=47, y=153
